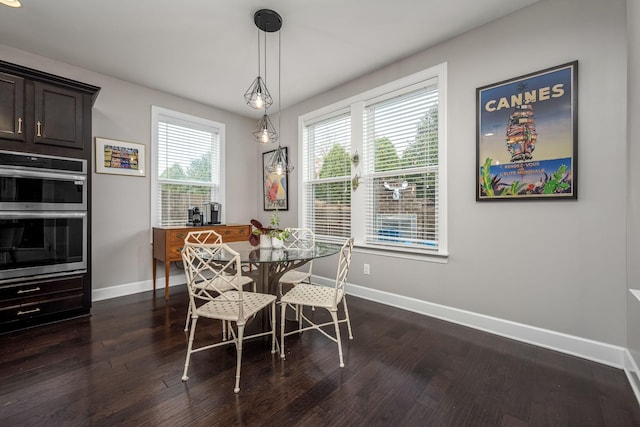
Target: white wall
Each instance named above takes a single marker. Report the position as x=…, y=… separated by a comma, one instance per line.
x=557, y=265
x=633, y=128
x=121, y=228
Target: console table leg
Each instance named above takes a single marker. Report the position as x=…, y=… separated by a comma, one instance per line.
x=154, y=275
x=167, y=267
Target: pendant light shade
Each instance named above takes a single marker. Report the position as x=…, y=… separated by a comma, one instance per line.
x=265, y=133
x=258, y=96
x=279, y=163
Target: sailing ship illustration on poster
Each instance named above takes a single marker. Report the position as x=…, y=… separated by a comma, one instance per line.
x=521, y=133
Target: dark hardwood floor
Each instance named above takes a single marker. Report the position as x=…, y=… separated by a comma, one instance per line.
x=123, y=366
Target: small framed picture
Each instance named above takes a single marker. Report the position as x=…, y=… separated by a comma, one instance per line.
x=275, y=187
x=120, y=157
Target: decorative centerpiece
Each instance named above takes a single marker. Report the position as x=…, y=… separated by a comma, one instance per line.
x=268, y=237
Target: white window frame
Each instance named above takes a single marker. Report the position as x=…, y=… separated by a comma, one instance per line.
x=156, y=112
x=356, y=104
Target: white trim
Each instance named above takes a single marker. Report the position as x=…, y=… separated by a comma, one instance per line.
x=631, y=369
x=135, y=288
x=596, y=351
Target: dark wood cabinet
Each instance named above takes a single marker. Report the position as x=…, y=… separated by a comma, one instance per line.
x=41, y=113
x=12, y=107
x=35, y=302
x=57, y=116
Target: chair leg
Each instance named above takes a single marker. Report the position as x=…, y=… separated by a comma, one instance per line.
x=239, y=357
x=189, y=347
x=273, y=327
x=283, y=309
x=186, y=323
x=346, y=315
x=334, y=316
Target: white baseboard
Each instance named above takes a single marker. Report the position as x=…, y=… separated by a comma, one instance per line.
x=587, y=349
x=607, y=354
x=631, y=369
x=135, y=287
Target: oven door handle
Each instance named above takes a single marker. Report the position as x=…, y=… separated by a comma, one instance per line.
x=41, y=214
x=78, y=179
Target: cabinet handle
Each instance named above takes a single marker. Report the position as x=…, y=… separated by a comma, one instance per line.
x=180, y=235
x=26, y=291
x=35, y=310
x=38, y=128
x=19, y=125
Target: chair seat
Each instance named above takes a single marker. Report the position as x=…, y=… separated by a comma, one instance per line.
x=313, y=295
x=223, y=285
x=295, y=276
x=224, y=308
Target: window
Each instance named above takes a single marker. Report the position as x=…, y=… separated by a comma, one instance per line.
x=188, y=153
x=374, y=167
x=328, y=171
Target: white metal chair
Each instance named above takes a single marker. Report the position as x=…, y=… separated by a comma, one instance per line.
x=299, y=239
x=209, y=282
x=210, y=236
x=323, y=297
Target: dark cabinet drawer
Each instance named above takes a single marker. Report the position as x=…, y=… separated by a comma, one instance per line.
x=27, y=311
x=37, y=290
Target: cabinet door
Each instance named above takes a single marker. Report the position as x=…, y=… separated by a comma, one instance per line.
x=11, y=107
x=58, y=116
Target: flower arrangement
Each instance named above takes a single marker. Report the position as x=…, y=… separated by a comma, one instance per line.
x=274, y=231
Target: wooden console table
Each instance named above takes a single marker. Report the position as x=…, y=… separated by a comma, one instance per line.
x=168, y=242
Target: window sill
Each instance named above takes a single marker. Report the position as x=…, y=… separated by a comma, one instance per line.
x=404, y=254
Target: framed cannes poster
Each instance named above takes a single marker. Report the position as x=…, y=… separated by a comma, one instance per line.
x=527, y=136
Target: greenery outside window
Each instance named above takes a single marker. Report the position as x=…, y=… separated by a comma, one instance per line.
x=188, y=158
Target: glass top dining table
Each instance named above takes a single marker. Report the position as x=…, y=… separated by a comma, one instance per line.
x=267, y=265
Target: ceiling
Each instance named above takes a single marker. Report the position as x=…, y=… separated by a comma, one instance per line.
x=206, y=50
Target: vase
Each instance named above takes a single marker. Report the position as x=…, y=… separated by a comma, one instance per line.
x=277, y=243
x=265, y=241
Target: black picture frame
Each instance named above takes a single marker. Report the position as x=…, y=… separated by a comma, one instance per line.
x=527, y=136
x=275, y=187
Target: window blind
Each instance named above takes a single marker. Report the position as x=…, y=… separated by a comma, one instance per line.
x=401, y=170
x=188, y=169
x=327, y=177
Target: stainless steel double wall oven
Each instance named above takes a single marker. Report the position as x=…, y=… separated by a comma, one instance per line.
x=43, y=216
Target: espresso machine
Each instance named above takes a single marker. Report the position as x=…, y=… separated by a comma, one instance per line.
x=195, y=216
x=214, y=211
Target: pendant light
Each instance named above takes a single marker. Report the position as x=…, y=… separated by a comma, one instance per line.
x=279, y=162
x=265, y=133
x=258, y=96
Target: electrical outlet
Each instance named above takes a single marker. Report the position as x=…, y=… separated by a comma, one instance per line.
x=366, y=269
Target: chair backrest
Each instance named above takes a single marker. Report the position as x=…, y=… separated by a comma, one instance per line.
x=205, y=236
x=343, y=267
x=300, y=238
x=208, y=277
